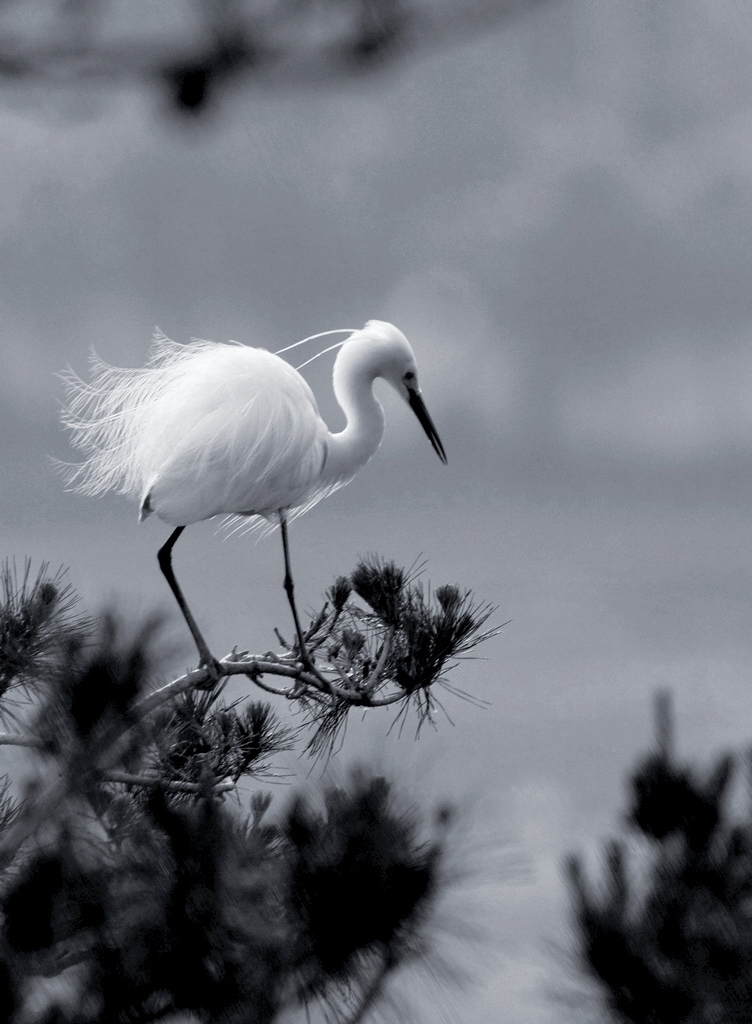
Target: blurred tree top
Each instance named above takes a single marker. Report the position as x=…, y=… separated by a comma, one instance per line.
x=192, y=52
x=667, y=933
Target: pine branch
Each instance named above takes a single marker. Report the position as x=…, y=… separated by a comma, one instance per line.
x=97, y=722
x=38, y=620
x=168, y=785
x=140, y=885
x=372, y=991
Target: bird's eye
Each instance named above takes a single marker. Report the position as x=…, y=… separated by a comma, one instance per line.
x=409, y=377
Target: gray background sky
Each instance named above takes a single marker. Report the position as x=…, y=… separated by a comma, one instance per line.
x=558, y=217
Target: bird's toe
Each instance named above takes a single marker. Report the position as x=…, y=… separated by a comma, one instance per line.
x=214, y=673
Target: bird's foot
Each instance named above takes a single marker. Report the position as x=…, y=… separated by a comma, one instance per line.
x=305, y=659
x=214, y=672
x=308, y=665
x=236, y=655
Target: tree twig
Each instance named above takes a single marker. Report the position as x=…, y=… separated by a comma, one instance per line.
x=374, y=677
x=173, y=785
x=14, y=740
x=373, y=989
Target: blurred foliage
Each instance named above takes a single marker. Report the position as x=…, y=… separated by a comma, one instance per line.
x=37, y=619
x=193, y=52
x=126, y=875
x=670, y=942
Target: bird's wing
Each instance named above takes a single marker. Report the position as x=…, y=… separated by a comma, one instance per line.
x=241, y=436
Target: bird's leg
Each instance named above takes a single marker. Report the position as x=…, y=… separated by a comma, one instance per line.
x=164, y=557
x=290, y=591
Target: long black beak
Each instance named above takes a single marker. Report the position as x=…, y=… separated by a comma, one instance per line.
x=418, y=407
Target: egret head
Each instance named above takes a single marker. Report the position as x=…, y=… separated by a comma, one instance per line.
x=382, y=350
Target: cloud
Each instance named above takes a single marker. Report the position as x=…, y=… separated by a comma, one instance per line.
x=677, y=399
x=57, y=154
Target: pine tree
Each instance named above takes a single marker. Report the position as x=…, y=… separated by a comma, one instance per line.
x=127, y=875
x=673, y=946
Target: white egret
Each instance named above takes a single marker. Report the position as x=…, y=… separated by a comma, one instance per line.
x=211, y=429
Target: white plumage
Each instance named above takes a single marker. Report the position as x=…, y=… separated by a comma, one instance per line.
x=212, y=429
x=190, y=435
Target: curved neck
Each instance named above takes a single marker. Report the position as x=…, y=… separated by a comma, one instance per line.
x=352, y=447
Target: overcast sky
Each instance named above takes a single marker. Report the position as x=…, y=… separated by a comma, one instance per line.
x=559, y=217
